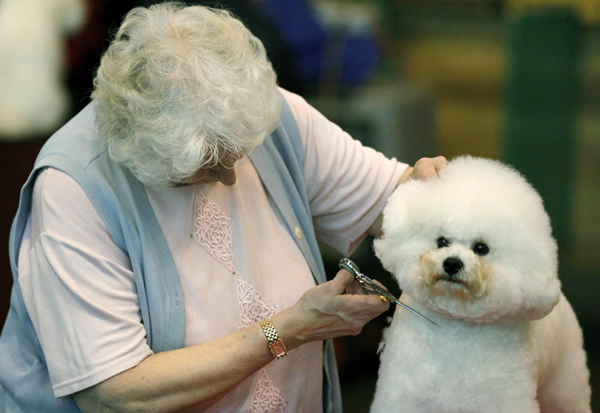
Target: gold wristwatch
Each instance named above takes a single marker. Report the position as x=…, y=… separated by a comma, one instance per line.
x=276, y=344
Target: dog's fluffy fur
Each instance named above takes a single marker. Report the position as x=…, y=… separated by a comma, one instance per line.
x=508, y=340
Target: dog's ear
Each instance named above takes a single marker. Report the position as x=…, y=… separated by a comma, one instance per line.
x=540, y=270
x=540, y=302
x=383, y=251
x=536, y=279
x=395, y=227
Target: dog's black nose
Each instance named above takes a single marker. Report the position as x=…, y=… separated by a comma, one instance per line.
x=452, y=265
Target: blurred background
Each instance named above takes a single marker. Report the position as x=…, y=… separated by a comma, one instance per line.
x=514, y=80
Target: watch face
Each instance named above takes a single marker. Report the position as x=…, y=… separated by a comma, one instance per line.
x=278, y=349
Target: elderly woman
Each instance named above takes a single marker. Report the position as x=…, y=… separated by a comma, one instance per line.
x=145, y=280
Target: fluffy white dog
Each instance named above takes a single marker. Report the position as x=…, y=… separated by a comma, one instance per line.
x=473, y=251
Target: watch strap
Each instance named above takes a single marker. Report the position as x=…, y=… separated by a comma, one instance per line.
x=276, y=344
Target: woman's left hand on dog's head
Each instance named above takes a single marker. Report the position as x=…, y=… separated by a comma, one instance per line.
x=426, y=168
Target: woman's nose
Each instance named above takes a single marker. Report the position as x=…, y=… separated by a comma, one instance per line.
x=227, y=176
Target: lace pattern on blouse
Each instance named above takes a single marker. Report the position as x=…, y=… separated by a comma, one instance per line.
x=266, y=399
x=212, y=230
x=254, y=309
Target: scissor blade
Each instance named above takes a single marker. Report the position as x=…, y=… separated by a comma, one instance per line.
x=415, y=312
x=390, y=297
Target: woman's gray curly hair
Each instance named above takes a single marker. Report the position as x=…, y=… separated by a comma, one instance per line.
x=181, y=86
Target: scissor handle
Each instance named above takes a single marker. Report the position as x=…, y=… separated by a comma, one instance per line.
x=364, y=281
x=349, y=265
x=368, y=284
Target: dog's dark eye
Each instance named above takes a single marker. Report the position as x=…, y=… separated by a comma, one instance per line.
x=442, y=242
x=481, y=249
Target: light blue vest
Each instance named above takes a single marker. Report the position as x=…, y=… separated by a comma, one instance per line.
x=121, y=201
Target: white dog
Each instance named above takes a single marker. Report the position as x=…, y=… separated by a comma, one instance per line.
x=473, y=251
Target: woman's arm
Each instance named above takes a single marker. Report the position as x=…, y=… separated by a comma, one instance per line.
x=194, y=378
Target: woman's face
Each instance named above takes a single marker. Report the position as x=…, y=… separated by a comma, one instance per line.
x=223, y=171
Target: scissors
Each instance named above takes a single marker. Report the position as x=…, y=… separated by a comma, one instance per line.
x=368, y=284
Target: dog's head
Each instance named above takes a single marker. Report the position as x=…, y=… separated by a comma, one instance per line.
x=474, y=244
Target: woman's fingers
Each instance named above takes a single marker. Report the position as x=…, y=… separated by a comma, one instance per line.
x=355, y=288
x=427, y=168
x=342, y=280
x=360, y=309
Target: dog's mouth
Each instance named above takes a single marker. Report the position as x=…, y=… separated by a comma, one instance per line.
x=450, y=279
x=457, y=286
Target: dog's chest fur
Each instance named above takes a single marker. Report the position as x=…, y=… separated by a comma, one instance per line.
x=456, y=367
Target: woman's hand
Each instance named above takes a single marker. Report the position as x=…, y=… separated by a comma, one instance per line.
x=425, y=168
x=324, y=312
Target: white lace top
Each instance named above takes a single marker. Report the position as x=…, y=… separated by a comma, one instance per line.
x=237, y=262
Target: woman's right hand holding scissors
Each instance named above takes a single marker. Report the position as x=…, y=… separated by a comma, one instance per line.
x=325, y=312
